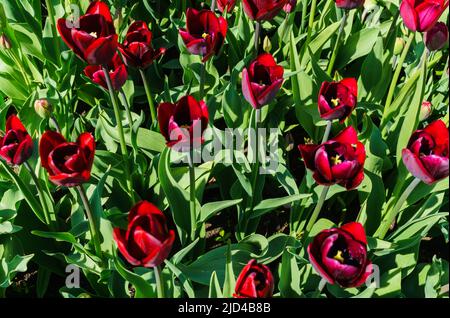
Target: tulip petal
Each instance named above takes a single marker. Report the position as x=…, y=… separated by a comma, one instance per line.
x=322, y=164
x=14, y=123
x=428, y=13
x=270, y=92
x=165, y=112
x=356, y=230
x=436, y=166
x=415, y=167
x=347, y=136
x=308, y=153
x=409, y=15
x=49, y=141
x=24, y=151
x=317, y=267
x=119, y=237
x=247, y=89
x=99, y=7
x=102, y=50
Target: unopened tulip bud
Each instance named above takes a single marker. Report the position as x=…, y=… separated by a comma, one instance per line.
x=399, y=45
x=5, y=43
x=267, y=45
x=369, y=5
x=43, y=108
x=425, y=110
x=290, y=6
x=436, y=37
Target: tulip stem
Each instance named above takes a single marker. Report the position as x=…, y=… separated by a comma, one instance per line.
x=257, y=33
x=192, y=199
x=398, y=69
x=202, y=80
x=159, y=283
x=51, y=17
x=90, y=217
x=312, y=13
x=392, y=214
x=337, y=44
x=327, y=131
x=317, y=209
x=41, y=195
x=149, y=95
x=213, y=5
x=55, y=123
x=123, y=145
x=128, y=112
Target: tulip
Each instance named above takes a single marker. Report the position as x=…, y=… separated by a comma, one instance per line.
x=426, y=156
x=263, y=10
x=425, y=110
x=338, y=161
x=43, y=107
x=421, y=15
x=436, y=38
x=339, y=255
x=254, y=281
x=262, y=80
x=183, y=123
x=137, y=50
x=5, y=42
x=147, y=241
x=290, y=6
x=67, y=163
x=229, y=4
x=399, y=45
x=92, y=37
x=204, y=34
x=16, y=146
x=337, y=99
x=117, y=72
x=349, y=4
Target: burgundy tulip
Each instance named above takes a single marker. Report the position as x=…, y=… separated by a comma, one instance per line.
x=204, y=34
x=338, y=161
x=147, y=241
x=254, y=281
x=67, y=163
x=92, y=37
x=349, y=4
x=421, y=15
x=229, y=4
x=337, y=99
x=16, y=146
x=426, y=156
x=137, y=49
x=263, y=10
x=183, y=123
x=117, y=72
x=262, y=80
x=436, y=38
x=290, y=6
x=339, y=255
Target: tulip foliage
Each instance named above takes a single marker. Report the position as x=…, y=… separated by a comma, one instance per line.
x=116, y=163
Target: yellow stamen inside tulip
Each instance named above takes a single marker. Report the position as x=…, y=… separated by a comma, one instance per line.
x=94, y=34
x=355, y=146
x=336, y=160
x=185, y=126
x=335, y=101
x=205, y=35
x=308, y=141
x=339, y=257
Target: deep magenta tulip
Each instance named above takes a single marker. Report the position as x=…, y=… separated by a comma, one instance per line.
x=204, y=34
x=263, y=10
x=254, y=281
x=436, y=38
x=337, y=99
x=426, y=156
x=229, y=4
x=290, y=6
x=349, y=4
x=117, y=72
x=16, y=146
x=338, y=161
x=339, y=255
x=421, y=15
x=262, y=80
x=147, y=241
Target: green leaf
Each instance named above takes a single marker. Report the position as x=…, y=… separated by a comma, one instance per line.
x=214, y=287
x=270, y=204
x=9, y=269
x=185, y=282
x=212, y=208
x=230, y=281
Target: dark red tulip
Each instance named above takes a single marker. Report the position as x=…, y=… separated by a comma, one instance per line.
x=349, y=4
x=337, y=99
x=204, y=34
x=436, y=38
x=254, y=281
x=421, y=15
x=290, y=6
x=339, y=255
x=338, y=161
x=117, y=72
x=262, y=80
x=426, y=156
x=67, y=163
x=137, y=49
x=229, y=4
x=16, y=146
x=183, y=123
x=147, y=241
x=92, y=37
x=263, y=10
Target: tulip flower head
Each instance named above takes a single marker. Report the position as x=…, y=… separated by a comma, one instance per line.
x=254, y=281
x=337, y=99
x=437, y=37
x=147, y=241
x=263, y=10
x=117, y=72
x=67, y=163
x=349, y=4
x=262, y=80
x=339, y=255
x=16, y=146
x=421, y=15
x=43, y=107
x=425, y=110
x=290, y=6
x=338, y=161
x=204, y=34
x=92, y=37
x=427, y=154
x=137, y=49
x=229, y=4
